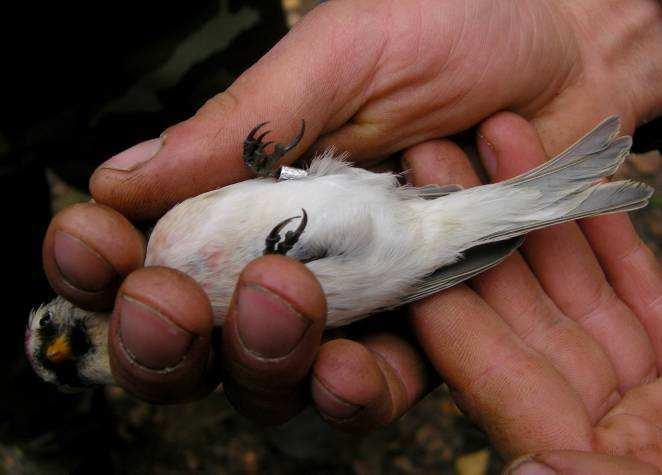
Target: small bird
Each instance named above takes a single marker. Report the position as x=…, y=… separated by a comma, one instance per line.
x=372, y=243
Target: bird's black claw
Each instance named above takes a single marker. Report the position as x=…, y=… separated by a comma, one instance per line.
x=258, y=160
x=274, y=244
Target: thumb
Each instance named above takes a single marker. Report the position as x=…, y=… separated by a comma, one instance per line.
x=305, y=76
x=576, y=462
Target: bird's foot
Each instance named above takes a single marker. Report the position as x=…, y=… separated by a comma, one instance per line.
x=261, y=162
x=277, y=245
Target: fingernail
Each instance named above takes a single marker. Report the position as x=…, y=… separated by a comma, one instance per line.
x=488, y=155
x=330, y=404
x=149, y=337
x=530, y=467
x=133, y=157
x=267, y=325
x=81, y=266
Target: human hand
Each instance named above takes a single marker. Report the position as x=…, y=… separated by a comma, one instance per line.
x=366, y=106
x=556, y=352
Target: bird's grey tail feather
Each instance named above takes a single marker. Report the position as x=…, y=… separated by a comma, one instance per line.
x=564, y=188
x=567, y=183
x=597, y=140
x=617, y=197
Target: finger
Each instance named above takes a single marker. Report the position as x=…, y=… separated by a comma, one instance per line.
x=438, y=162
x=87, y=252
x=270, y=337
x=503, y=385
x=563, y=261
x=577, y=116
x=204, y=152
x=159, y=337
x=493, y=374
x=576, y=462
x=512, y=290
x=632, y=270
x=357, y=386
x=348, y=387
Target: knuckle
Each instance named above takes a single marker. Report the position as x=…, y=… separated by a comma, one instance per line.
x=219, y=105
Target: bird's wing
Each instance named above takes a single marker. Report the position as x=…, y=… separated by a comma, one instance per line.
x=476, y=260
x=430, y=192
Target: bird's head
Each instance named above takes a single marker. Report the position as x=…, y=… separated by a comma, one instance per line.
x=68, y=346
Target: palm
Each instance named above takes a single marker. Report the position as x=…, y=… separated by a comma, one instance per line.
x=579, y=349
x=565, y=337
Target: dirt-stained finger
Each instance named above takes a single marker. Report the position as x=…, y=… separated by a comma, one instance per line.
x=160, y=336
x=270, y=338
x=87, y=252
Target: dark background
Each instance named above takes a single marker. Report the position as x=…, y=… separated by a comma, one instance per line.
x=65, y=71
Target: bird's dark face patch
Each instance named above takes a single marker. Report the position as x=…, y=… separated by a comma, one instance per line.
x=47, y=329
x=80, y=342
x=77, y=343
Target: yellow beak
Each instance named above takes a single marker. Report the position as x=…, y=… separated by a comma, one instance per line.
x=59, y=350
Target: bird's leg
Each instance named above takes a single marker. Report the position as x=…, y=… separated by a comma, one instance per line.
x=258, y=160
x=274, y=244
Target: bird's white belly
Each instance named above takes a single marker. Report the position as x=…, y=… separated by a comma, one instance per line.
x=360, y=243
